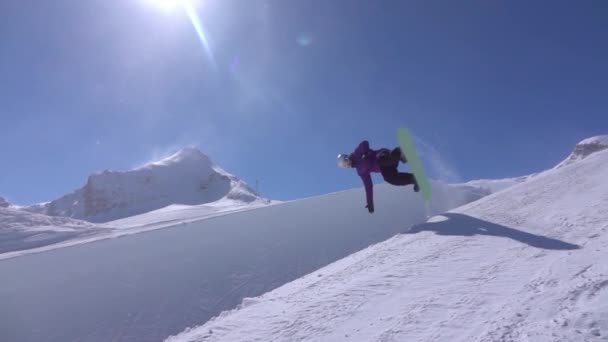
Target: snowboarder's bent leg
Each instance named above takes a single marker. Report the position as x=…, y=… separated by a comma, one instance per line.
x=397, y=155
x=394, y=177
x=390, y=158
x=384, y=158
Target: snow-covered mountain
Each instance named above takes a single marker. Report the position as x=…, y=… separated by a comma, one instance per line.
x=523, y=264
x=187, y=177
x=585, y=148
x=136, y=201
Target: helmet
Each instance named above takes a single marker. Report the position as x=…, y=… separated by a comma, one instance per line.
x=344, y=161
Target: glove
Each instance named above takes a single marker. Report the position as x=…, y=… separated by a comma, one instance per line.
x=370, y=208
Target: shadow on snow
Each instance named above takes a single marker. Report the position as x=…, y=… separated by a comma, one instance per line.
x=464, y=225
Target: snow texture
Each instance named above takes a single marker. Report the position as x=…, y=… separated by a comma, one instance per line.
x=145, y=287
x=179, y=214
x=188, y=177
x=523, y=264
x=494, y=185
x=21, y=230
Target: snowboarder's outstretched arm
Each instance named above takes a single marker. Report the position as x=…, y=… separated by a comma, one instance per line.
x=369, y=191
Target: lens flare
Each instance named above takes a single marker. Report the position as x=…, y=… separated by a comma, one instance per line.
x=190, y=7
x=198, y=27
x=305, y=39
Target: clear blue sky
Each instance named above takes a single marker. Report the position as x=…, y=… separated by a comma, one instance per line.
x=495, y=88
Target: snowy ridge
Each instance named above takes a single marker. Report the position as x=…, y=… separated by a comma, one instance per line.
x=599, y=139
x=187, y=177
x=523, y=264
x=177, y=214
x=51, y=234
x=582, y=150
x=494, y=185
x=585, y=148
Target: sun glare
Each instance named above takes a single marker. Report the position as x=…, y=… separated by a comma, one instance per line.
x=167, y=5
x=190, y=8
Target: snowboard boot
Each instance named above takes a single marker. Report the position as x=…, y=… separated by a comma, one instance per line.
x=416, y=187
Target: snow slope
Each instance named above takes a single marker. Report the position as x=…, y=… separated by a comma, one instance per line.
x=523, y=264
x=188, y=177
x=145, y=287
x=179, y=214
x=23, y=233
x=22, y=230
x=494, y=185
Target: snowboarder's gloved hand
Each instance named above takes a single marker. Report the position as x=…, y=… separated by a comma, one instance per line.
x=370, y=208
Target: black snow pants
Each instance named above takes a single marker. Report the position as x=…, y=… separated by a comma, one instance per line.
x=389, y=161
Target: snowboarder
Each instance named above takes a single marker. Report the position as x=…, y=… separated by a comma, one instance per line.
x=384, y=161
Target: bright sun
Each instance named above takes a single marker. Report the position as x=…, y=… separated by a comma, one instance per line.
x=168, y=5
x=190, y=8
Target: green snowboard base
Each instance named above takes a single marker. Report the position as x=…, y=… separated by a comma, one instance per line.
x=409, y=150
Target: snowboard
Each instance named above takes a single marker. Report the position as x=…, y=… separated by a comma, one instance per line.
x=409, y=151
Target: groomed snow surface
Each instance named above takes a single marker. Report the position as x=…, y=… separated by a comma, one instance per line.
x=524, y=264
x=21, y=230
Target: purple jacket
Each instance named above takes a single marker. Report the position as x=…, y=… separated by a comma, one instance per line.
x=364, y=159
